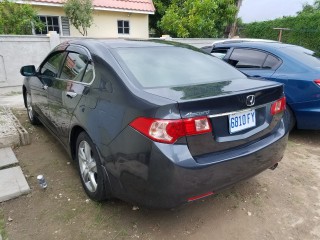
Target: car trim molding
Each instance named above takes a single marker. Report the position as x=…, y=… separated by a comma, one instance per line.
x=239, y=111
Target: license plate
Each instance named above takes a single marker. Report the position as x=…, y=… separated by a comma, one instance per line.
x=241, y=121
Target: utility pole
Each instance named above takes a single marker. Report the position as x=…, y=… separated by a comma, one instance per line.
x=280, y=32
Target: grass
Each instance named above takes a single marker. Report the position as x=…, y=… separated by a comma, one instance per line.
x=100, y=216
x=3, y=232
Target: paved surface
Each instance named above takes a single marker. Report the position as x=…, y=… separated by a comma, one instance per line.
x=12, y=180
x=7, y=157
x=13, y=183
x=13, y=101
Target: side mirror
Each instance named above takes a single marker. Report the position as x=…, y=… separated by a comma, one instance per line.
x=28, y=71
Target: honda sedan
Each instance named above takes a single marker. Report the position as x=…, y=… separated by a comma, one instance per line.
x=155, y=123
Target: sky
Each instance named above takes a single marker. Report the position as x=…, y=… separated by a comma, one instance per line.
x=262, y=10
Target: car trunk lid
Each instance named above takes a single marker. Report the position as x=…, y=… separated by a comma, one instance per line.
x=223, y=102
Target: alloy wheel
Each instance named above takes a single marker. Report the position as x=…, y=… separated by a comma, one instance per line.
x=88, y=166
x=29, y=107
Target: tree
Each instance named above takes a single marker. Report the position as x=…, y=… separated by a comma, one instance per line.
x=308, y=8
x=80, y=13
x=18, y=18
x=198, y=18
x=235, y=25
x=154, y=23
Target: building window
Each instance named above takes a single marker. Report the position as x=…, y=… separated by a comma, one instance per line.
x=54, y=23
x=123, y=27
x=65, y=26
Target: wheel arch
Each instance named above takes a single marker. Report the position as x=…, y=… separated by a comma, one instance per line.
x=75, y=131
x=291, y=111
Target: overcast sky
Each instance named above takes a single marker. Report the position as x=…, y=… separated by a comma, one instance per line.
x=261, y=10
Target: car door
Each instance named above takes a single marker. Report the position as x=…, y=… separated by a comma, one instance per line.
x=254, y=62
x=47, y=72
x=67, y=90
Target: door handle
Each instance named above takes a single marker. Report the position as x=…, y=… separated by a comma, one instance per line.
x=71, y=94
x=45, y=87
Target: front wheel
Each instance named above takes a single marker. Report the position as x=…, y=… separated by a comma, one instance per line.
x=90, y=169
x=31, y=114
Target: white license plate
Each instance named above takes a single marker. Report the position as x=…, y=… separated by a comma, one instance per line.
x=241, y=121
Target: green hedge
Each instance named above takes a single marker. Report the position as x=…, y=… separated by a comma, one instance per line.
x=304, y=30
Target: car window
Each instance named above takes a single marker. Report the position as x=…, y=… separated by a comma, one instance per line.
x=173, y=66
x=271, y=62
x=247, y=58
x=219, y=55
x=88, y=75
x=207, y=49
x=219, y=52
x=51, y=67
x=74, y=67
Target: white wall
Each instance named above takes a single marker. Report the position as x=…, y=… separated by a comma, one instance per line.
x=17, y=51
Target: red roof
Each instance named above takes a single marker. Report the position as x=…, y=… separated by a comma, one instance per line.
x=128, y=5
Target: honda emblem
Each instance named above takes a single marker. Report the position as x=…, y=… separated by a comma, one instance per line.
x=251, y=99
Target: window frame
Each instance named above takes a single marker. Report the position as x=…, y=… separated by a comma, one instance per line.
x=123, y=27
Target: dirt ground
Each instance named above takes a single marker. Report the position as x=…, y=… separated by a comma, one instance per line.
x=279, y=204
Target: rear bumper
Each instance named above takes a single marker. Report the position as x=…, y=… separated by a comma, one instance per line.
x=307, y=115
x=168, y=176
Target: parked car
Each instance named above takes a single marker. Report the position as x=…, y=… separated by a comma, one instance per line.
x=296, y=67
x=148, y=122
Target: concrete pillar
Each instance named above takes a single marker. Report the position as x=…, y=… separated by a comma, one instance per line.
x=54, y=39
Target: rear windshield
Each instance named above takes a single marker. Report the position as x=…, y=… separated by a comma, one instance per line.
x=303, y=55
x=172, y=66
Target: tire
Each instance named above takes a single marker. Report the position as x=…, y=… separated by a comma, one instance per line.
x=31, y=114
x=90, y=170
x=291, y=118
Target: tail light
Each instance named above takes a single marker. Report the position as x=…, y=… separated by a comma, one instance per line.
x=169, y=131
x=278, y=106
x=317, y=82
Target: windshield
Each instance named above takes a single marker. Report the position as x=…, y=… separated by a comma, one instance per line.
x=303, y=55
x=173, y=66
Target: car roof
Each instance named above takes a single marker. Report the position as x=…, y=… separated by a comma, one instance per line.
x=253, y=44
x=267, y=46
x=237, y=40
x=120, y=43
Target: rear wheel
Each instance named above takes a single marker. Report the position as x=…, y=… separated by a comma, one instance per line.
x=31, y=114
x=291, y=118
x=90, y=169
